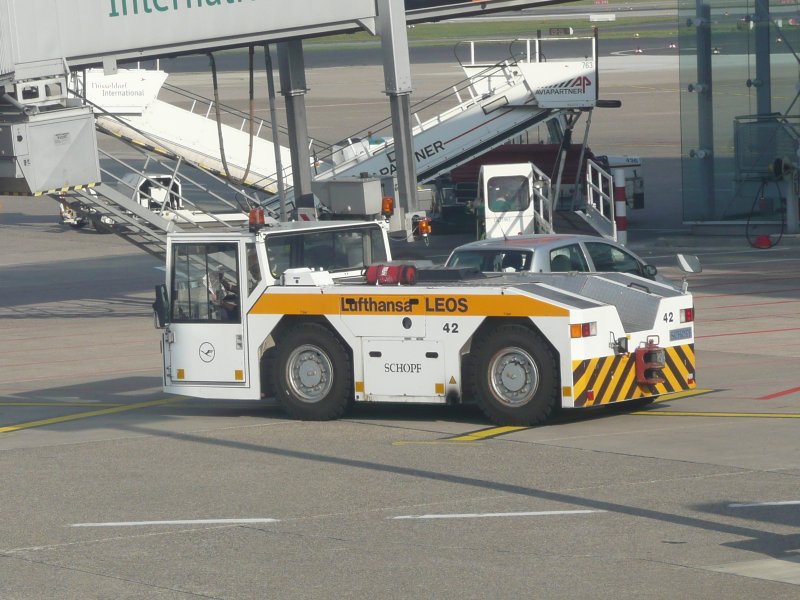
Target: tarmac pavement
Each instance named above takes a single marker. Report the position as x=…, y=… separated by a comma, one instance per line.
x=113, y=489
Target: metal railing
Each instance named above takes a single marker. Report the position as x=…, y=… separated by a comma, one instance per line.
x=600, y=199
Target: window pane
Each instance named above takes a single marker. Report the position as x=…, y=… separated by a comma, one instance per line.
x=335, y=250
x=205, y=283
x=610, y=258
x=492, y=260
x=568, y=258
x=508, y=194
x=253, y=268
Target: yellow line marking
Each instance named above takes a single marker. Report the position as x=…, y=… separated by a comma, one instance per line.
x=64, y=404
x=433, y=443
x=86, y=415
x=683, y=394
x=492, y=432
x=485, y=434
x=669, y=413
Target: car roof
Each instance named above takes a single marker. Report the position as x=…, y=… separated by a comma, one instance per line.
x=530, y=242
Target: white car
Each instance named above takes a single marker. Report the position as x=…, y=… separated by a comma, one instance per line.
x=551, y=253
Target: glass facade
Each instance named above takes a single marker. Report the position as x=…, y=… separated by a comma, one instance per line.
x=739, y=108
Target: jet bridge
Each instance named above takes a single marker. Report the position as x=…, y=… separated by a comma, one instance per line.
x=46, y=138
x=42, y=40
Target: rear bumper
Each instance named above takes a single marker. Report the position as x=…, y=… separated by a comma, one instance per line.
x=612, y=379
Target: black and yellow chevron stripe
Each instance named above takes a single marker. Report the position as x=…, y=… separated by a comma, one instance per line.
x=61, y=190
x=613, y=378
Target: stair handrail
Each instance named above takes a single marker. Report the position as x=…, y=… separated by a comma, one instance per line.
x=183, y=178
x=253, y=201
x=600, y=192
x=235, y=112
x=543, y=203
x=384, y=126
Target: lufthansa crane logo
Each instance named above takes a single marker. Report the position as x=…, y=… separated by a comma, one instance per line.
x=207, y=352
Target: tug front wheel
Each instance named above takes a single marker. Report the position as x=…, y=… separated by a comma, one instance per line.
x=312, y=373
x=515, y=377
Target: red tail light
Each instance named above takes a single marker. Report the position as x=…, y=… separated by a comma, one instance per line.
x=582, y=330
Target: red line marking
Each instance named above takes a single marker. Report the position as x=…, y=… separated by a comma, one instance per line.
x=762, y=291
x=764, y=316
x=697, y=337
x=779, y=394
x=752, y=304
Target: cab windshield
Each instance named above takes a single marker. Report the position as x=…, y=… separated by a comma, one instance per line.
x=508, y=194
x=336, y=250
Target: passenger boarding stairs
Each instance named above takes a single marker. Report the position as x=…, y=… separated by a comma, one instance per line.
x=591, y=211
x=496, y=101
x=205, y=202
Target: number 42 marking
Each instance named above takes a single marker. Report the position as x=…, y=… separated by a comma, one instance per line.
x=450, y=328
x=669, y=317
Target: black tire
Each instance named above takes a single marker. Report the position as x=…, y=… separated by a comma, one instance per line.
x=312, y=373
x=101, y=227
x=514, y=376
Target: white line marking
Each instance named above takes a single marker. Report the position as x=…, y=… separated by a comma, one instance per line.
x=181, y=522
x=785, y=503
x=542, y=513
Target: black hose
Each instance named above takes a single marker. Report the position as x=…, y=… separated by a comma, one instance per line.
x=219, y=122
x=219, y=117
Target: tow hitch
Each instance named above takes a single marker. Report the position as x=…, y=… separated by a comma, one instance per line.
x=650, y=362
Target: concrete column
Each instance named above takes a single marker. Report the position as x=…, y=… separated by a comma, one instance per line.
x=397, y=75
x=763, y=71
x=293, y=90
x=705, y=108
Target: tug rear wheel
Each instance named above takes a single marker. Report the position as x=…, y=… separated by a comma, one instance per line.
x=515, y=376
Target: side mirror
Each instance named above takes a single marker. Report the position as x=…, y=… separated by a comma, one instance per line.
x=650, y=271
x=160, y=307
x=689, y=263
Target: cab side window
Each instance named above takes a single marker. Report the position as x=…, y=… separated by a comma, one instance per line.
x=253, y=267
x=205, y=283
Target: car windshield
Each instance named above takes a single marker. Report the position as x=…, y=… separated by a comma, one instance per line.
x=491, y=260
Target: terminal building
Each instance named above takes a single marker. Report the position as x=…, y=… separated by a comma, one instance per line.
x=740, y=109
